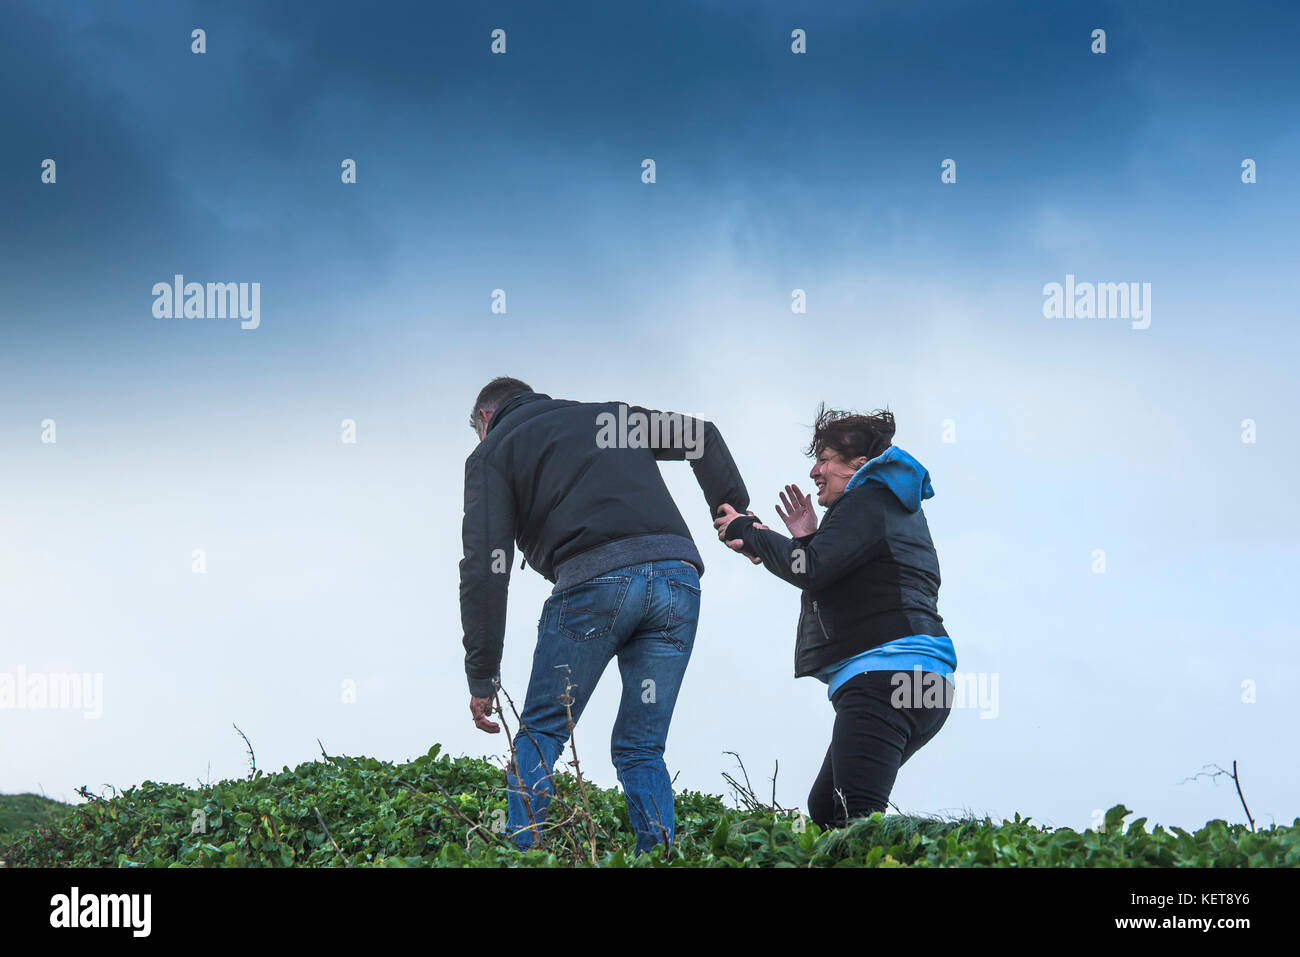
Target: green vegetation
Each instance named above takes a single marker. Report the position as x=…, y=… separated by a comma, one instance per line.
x=438, y=811
x=20, y=813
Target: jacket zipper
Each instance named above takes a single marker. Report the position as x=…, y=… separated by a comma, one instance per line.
x=821, y=625
x=818, y=612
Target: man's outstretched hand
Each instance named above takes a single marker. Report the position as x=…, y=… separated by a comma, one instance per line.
x=481, y=709
x=726, y=515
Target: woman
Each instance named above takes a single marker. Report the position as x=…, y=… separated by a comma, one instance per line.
x=869, y=625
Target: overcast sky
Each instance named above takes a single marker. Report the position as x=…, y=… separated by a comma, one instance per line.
x=329, y=562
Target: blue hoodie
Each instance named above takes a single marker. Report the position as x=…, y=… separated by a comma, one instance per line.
x=903, y=475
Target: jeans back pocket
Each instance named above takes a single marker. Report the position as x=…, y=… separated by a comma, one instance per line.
x=683, y=611
x=588, y=610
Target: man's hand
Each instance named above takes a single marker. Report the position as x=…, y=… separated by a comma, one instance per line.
x=727, y=515
x=481, y=709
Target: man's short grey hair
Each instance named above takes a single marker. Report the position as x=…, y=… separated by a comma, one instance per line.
x=493, y=394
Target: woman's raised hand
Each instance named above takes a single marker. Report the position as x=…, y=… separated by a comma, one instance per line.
x=798, y=516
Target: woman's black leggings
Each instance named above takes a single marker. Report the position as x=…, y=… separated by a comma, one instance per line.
x=872, y=740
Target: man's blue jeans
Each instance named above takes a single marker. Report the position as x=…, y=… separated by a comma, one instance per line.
x=645, y=616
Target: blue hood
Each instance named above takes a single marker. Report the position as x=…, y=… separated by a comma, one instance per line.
x=897, y=471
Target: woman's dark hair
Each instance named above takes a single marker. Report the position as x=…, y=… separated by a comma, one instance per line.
x=851, y=435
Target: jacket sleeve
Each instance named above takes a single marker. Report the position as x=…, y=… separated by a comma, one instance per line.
x=487, y=535
x=847, y=536
x=699, y=442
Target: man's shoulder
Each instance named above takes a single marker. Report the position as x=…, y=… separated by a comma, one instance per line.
x=518, y=426
x=577, y=405
x=546, y=414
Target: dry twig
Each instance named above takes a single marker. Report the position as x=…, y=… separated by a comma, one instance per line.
x=1235, y=780
x=252, y=759
x=567, y=701
x=346, y=860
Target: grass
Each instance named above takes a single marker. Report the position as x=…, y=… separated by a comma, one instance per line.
x=21, y=813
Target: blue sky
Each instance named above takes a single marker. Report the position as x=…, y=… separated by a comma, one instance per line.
x=330, y=562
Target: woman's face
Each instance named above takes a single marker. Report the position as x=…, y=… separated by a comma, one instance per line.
x=831, y=472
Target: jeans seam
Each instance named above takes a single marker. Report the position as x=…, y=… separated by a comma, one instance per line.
x=668, y=615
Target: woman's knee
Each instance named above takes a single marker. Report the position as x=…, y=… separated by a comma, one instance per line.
x=821, y=811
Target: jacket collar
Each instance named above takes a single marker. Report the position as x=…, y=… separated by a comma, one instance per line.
x=512, y=403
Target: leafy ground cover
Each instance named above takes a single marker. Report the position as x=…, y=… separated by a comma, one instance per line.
x=20, y=813
x=439, y=811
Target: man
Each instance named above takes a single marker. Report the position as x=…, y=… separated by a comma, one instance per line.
x=577, y=485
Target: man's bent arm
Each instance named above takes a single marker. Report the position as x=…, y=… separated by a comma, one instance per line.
x=487, y=534
x=700, y=442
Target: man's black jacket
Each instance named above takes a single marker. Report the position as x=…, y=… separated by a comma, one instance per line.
x=577, y=485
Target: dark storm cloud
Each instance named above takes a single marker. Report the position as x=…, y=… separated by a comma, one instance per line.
x=166, y=160
x=228, y=163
